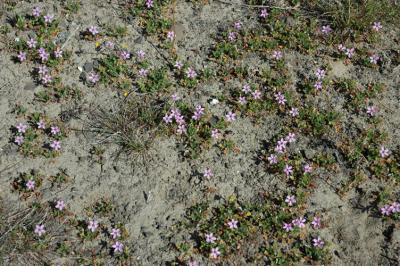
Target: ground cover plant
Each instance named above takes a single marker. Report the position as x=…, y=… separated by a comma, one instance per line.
x=200, y=132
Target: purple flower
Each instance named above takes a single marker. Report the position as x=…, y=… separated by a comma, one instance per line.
x=349, y=52
x=377, y=26
x=125, y=55
x=320, y=73
x=384, y=152
x=93, y=30
x=46, y=79
x=198, y=112
x=385, y=210
x=215, y=134
x=193, y=263
x=118, y=247
x=294, y=112
x=36, y=11
x=242, y=100
x=208, y=173
x=287, y=227
x=21, y=56
x=280, y=98
x=341, y=47
x=372, y=110
x=277, y=55
x=31, y=43
x=60, y=205
x=232, y=224
x=288, y=170
x=55, y=130
x=167, y=118
x=326, y=29
x=48, y=18
x=263, y=13
x=171, y=35
x=109, y=44
x=21, y=128
x=39, y=229
x=149, y=3
x=30, y=184
x=210, y=238
x=299, y=222
x=41, y=124
x=115, y=233
x=175, y=97
x=318, y=242
x=92, y=226
x=215, y=253
x=19, y=140
x=237, y=25
x=246, y=88
x=316, y=222
x=190, y=73
x=373, y=59
x=93, y=77
x=55, y=145
x=273, y=159
x=232, y=36
x=181, y=129
x=230, y=116
x=290, y=200
x=256, y=95
x=44, y=56
x=318, y=85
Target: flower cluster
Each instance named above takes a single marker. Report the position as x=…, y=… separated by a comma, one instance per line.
x=390, y=209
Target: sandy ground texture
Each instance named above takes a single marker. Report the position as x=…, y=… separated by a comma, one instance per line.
x=150, y=194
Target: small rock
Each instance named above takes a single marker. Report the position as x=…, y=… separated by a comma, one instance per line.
x=30, y=86
x=88, y=66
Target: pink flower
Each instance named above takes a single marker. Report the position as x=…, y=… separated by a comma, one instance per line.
x=291, y=137
x=149, y=3
x=372, y=110
x=272, y=159
x=118, y=247
x=318, y=85
x=230, y=116
x=92, y=226
x=21, y=128
x=326, y=29
x=232, y=224
x=215, y=253
x=277, y=55
x=287, y=227
x=48, y=18
x=242, y=100
x=215, y=134
x=263, y=13
x=55, y=145
x=299, y=222
x=124, y=55
x=93, y=77
x=210, y=238
x=30, y=184
x=140, y=54
x=377, y=26
x=93, y=30
x=171, y=35
x=143, y=72
x=288, y=170
x=316, y=222
x=42, y=69
x=385, y=210
x=318, y=242
x=58, y=53
x=60, y=205
x=256, y=95
x=384, y=152
x=115, y=233
x=341, y=47
x=307, y=169
x=167, y=118
x=294, y=112
x=55, y=130
x=208, y=173
x=19, y=140
x=246, y=88
x=46, y=79
x=181, y=129
x=290, y=200
x=175, y=97
x=349, y=52
x=198, y=112
x=31, y=43
x=21, y=56
x=41, y=124
x=193, y=263
x=109, y=44
x=39, y=229
x=190, y=73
